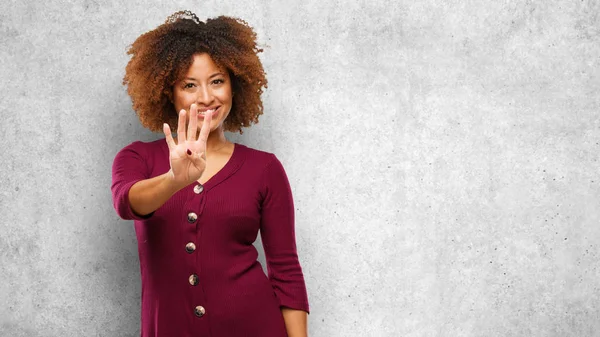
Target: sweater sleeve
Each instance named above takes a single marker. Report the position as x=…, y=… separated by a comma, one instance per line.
x=128, y=168
x=279, y=240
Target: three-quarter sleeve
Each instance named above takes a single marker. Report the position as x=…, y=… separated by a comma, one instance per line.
x=128, y=168
x=279, y=240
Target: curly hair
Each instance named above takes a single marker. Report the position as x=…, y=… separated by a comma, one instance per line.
x=162, y=56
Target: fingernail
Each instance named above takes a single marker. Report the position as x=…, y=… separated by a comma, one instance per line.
x=189, y=152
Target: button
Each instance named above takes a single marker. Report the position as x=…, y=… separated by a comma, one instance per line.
x=199, y=311
x=198, y=189
x=190, y=247
x=192, y=217
x=193, y=279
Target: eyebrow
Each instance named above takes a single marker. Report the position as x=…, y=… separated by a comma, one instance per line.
x=211, y=76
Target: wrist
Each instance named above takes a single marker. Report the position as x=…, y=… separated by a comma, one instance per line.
x=173, y=184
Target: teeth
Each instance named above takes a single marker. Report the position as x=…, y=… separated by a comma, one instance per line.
x=204, y=112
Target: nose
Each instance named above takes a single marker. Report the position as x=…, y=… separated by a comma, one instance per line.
x=204, y=96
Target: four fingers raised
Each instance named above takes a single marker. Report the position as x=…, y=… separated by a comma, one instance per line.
x=197, y=147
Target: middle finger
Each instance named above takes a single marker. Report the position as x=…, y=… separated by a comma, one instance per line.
x=181, y=127
x=193, y=123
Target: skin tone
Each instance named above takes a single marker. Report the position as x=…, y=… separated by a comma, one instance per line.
x=206, y=86
x=295, y=322
x=200, y=149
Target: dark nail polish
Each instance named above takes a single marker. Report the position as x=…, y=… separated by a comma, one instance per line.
x=189, y=152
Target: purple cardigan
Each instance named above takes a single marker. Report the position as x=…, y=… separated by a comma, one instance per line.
x=199, y=269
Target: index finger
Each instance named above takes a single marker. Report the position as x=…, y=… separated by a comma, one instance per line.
x=168, y=136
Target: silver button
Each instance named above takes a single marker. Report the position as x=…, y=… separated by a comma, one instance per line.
x=198, y=189
x=193, y=279
x=192, y=217
x=190, y=247
x=199, y=311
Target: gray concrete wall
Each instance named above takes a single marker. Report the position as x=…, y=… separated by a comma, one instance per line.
x=443, y=157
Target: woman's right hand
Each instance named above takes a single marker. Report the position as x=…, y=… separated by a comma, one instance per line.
x=188, y=157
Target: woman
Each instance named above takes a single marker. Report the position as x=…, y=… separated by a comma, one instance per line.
x=198, y=201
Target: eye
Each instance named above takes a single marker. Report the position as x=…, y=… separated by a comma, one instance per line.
x=219, y=81
x=188, y=85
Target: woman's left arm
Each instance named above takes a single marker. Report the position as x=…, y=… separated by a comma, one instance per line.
x=295, y=322
x=277, y=231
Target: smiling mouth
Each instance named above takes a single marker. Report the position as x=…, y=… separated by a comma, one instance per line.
x=202, y=113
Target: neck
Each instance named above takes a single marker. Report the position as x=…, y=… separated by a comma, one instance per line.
x=216, y=140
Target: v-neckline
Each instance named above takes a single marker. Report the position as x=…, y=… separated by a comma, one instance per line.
x=231, y=166
x=222, y=169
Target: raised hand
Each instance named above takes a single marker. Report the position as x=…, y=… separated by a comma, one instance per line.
x=188, y=156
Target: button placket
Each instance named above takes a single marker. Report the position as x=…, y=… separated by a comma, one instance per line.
x=190, y=247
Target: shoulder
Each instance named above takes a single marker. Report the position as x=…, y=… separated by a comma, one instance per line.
x=266, y=165
x=143, y=148
x=257, y=158
x=141, y=155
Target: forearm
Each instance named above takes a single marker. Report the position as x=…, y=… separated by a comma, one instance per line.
x=146, y=196
x=296, y=322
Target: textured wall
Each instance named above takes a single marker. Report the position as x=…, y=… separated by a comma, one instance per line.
x=443, y=157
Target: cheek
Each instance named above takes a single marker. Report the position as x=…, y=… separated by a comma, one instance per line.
x=225, y=93
x=182, y=100
x=227, y=99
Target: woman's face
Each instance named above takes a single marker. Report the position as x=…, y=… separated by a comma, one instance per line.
x=208, y=86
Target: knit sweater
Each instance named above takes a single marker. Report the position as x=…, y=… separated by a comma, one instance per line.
x=199, y=270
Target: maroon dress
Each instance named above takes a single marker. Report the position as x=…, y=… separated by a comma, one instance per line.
x=199, y=269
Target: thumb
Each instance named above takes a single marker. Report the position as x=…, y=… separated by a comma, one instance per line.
x=197, y=159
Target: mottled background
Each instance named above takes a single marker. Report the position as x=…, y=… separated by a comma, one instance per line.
x=443, y=157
